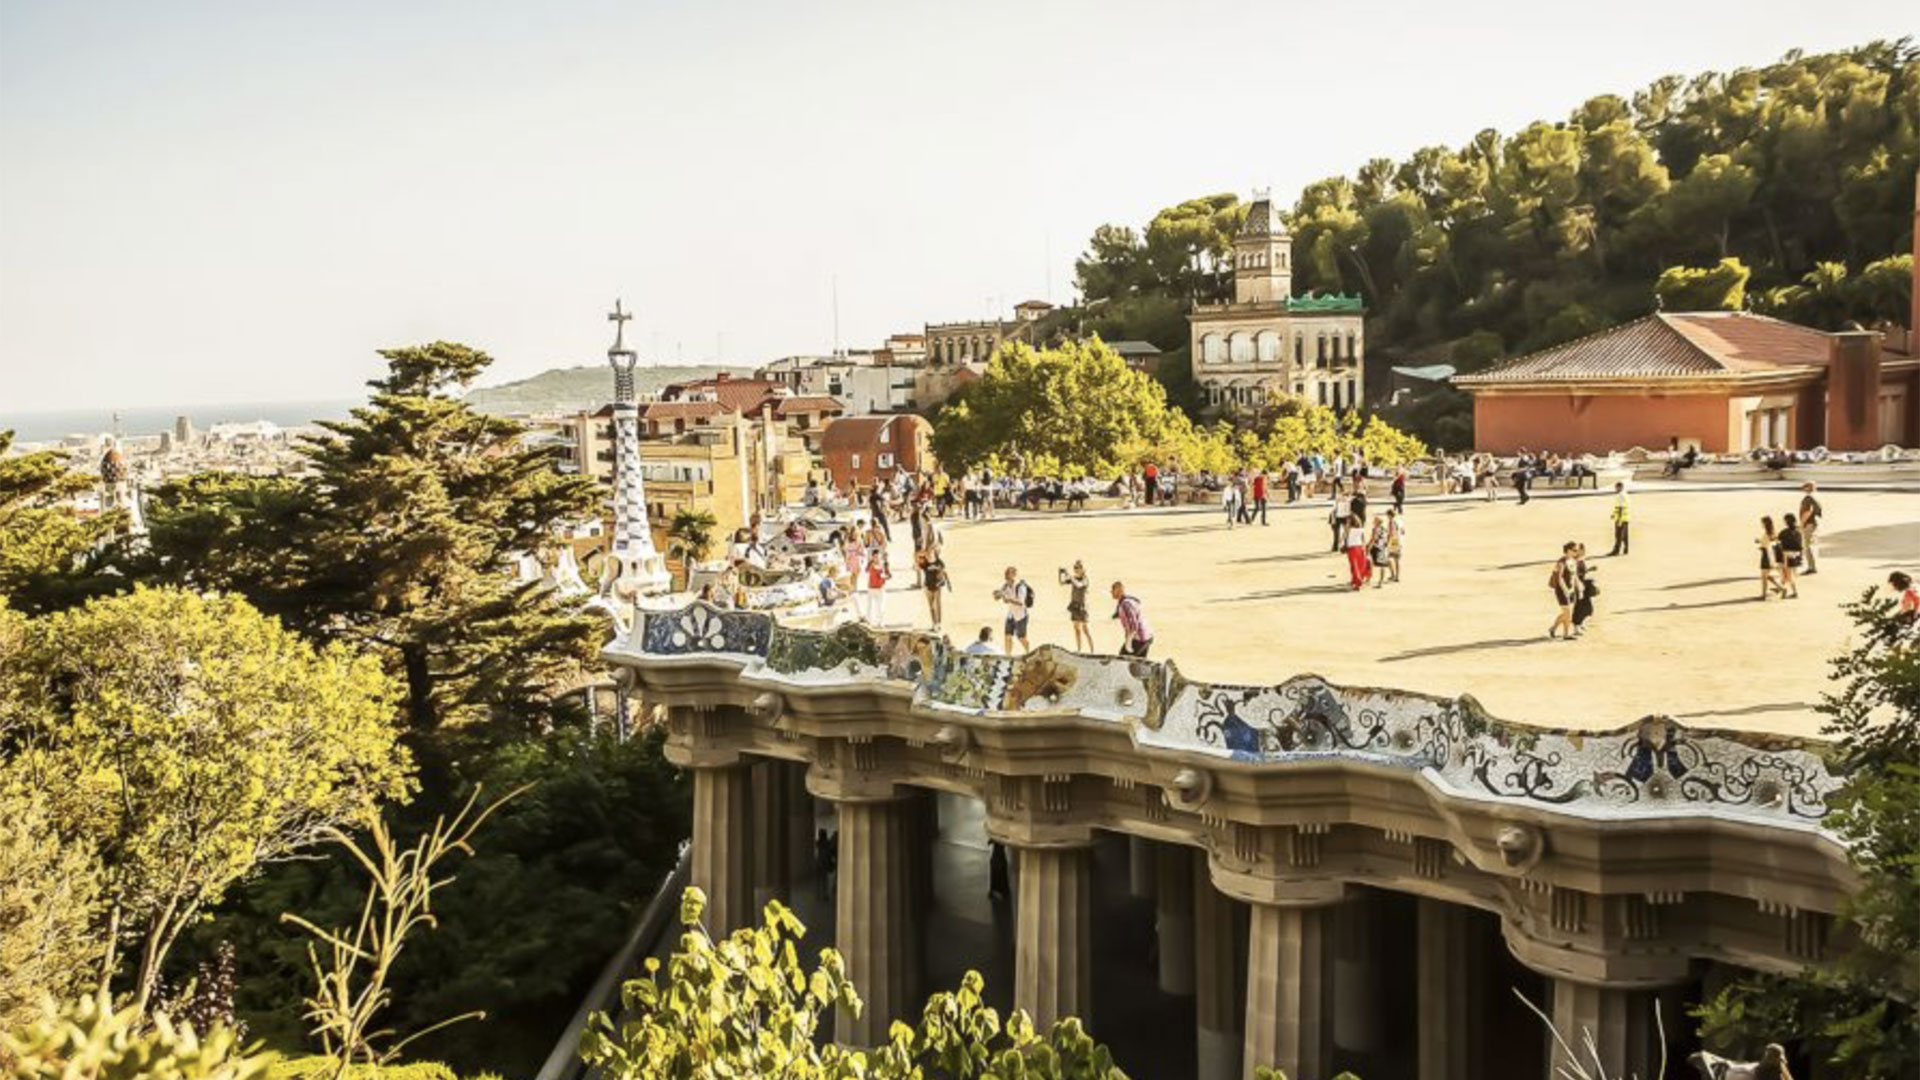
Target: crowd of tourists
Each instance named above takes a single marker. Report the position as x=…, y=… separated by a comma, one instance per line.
x=1366, y=513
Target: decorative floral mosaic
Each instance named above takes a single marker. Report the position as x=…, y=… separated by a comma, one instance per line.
x=1656, y=767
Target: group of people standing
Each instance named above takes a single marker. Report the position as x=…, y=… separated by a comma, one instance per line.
x=1136, y=636
x=1373, y=546
x=1787, y=552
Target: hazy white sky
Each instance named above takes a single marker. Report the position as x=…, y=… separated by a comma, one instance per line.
x=219, y=202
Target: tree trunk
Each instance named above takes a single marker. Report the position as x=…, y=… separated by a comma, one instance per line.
x=420, y=711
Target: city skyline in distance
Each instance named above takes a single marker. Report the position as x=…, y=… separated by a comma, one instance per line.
x=220, y=204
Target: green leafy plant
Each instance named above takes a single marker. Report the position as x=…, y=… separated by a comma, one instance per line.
x=88, y=1039
x=746, y=1006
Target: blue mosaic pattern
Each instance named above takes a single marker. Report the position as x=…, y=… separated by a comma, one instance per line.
x=1654, y=768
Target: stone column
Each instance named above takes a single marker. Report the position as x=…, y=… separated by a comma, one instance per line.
x=721, y=804
x=1443, y=971
x=1356, y=985
x=1288, y=971
x=1620, y=1021
x=1140, y=876
x=771, y=880
x=1053, y=951
x=1217, y=1006
x=800, y=825
x=1173, y=917
x=872, y=917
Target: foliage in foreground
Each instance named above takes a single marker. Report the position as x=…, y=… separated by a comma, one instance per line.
x=745, y=1006
x=1857, y=1008
x=182, y=741
x=526, y=924
x=88, y=1038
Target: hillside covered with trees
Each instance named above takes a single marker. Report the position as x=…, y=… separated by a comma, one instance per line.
x=1800, y=172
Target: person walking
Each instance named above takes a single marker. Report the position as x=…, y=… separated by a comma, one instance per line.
x=1396, y=534
x=1259, y=496
x=1076, y=583
x=1399, y=490
x=1337, y=514
x=1585, y=588
x=1561, y=581
x=1151, y=475
x=1136, y=637
x=1522, y=479
x=1620, y=515
x=1230, y=499
x=1792, y=549
x=1291, y=475
x=1018, y=596
x=1357, y=568
x=1769, y=544
x=1810, y=512
x=1357, y=506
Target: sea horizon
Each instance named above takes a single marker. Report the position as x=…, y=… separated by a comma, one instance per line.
x=44, y=425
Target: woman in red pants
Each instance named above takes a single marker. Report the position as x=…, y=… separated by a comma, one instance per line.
x=1357, y=550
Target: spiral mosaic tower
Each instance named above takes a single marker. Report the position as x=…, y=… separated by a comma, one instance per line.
x=637, y=568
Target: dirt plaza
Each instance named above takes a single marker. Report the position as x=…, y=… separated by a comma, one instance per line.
x=1679, y=629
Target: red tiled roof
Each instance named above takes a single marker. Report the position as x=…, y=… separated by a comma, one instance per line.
x=737, y=395
x=1681, y=345
x=806, y=403
x=669, y=410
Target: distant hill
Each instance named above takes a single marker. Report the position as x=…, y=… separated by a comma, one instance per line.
x=576, y=388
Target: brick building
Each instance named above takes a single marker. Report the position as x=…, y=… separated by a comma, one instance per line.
x=862, y=450
x=1722, y=381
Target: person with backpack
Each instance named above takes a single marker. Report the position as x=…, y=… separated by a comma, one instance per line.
x=1018, y=596
x=1136, y=637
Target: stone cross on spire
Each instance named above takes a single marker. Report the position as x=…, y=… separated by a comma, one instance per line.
x=619, y=320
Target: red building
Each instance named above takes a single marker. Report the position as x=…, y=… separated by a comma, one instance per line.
x=862, y=450
x=1722, y=381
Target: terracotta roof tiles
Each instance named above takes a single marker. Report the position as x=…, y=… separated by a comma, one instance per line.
x=1681, y=345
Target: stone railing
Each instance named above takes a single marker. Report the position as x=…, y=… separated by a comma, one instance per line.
x=1656, y=768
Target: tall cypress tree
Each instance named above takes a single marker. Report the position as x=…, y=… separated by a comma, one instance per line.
x=421, y=504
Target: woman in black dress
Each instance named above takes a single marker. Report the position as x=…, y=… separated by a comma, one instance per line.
x=1769, y=545
x=1584, y=590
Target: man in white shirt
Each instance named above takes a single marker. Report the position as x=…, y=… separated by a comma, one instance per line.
x=1018, y=596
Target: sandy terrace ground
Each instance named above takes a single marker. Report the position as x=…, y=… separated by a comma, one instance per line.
x=1679, y=629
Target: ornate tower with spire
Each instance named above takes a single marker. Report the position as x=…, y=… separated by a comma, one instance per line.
x=636, y=568
x=1262, y=256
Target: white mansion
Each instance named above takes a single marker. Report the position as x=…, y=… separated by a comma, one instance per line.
x=1269, y=342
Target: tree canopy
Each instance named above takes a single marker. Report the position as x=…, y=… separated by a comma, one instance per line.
x=1801, y=168
x=186, y=740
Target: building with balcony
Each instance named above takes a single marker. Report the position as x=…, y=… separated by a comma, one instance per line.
x=1268, y=342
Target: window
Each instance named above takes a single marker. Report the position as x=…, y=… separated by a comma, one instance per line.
x=885, y=461
x=1299, y=350
x=886, y=437
x=856, y=461
x=1268, y=347
x=1323, y=393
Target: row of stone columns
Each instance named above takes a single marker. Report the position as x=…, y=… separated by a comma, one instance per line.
x=1265, y=996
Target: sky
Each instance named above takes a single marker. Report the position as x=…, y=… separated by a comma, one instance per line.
x=215, y=202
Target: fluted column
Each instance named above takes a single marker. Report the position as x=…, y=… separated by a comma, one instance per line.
x=1053, y=953
x=1173, y=917
x=873, y=921
x=1620, y=1021
x=771, y=880
x=1218, y=1010
x=721, y=804
x=1140, y=875
x=1446, y=954
x=1288, y=971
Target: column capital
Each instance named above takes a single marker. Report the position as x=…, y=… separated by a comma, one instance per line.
x=1587, y=960
x=1257, y=888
